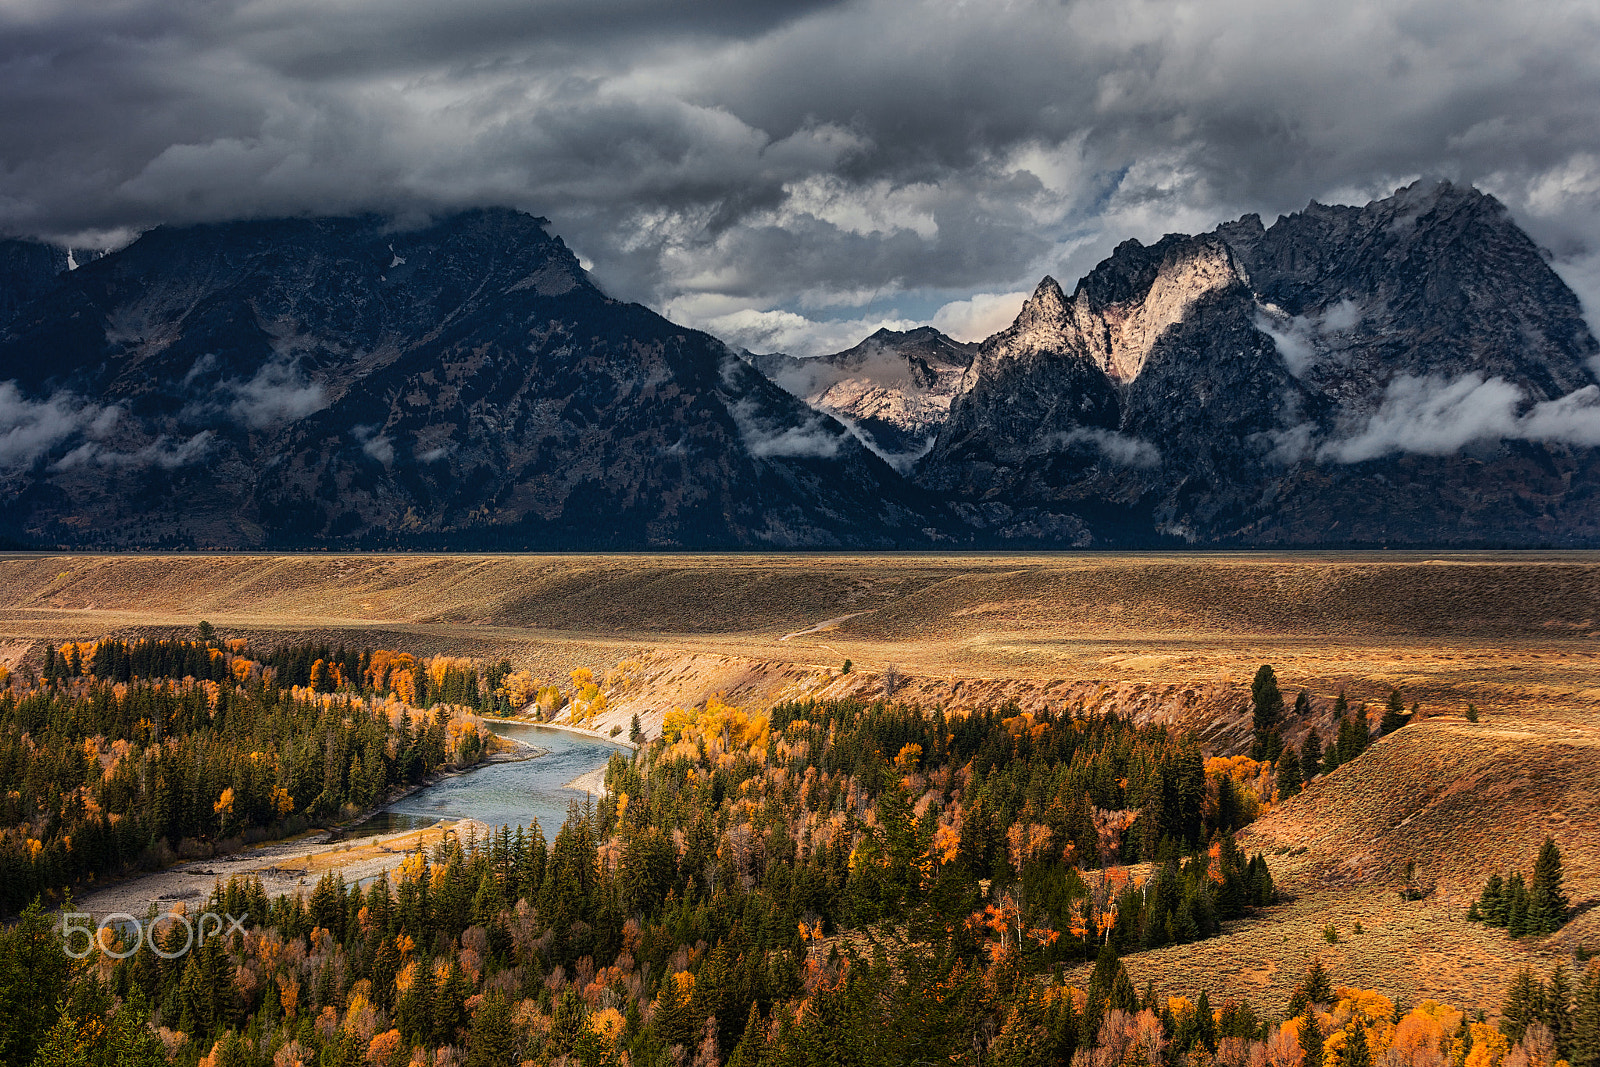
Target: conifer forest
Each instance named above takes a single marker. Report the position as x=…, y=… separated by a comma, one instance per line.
x=843, y=882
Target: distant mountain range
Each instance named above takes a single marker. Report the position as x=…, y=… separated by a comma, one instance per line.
x=1410, y=372
x=893, y=390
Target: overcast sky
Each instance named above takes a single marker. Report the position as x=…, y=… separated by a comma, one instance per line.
x=791, y=175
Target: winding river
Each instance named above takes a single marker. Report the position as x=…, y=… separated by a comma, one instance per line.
x=514, y=794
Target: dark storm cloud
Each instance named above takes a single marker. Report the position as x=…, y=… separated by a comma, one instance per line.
x=755, y=167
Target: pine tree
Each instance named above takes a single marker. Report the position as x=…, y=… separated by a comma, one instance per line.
x=1394, y=714
x=1357, y=1053
x=449, y=1010
x=1557, y=1013
x=385, y=965
x=1123, y=995
x=1334, y=755
x=1102, y=983
x=1311, y=755
x=1267, y=714
x=1492, y=903
x=1022, y=1041
x=1107, y=966
x=1310, y=1036
x=1353, y=735
x=1289, y=780
x=1547, y=904
x=414, y=1014
x=1206, y=1026
x=493, y=1039
x=1524, y=1004
x=34, y=972
x=747, y=1053
x=1318, y=985
x=91, y=1032
x=1584, y=1044
x=1516, y=905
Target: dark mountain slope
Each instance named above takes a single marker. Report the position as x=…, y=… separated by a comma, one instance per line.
x=1407, y=372
x=339, y=382
x=28, y=270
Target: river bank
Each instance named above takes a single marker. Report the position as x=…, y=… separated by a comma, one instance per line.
x=541, y=771
x=593, y=783
x=283, y=866
x=525, y=719
x=295, y=864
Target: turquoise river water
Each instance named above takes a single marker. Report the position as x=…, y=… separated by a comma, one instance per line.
x=514, y=794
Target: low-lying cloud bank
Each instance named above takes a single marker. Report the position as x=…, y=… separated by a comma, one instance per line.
x=1434, y=416
x=31, y=429
x=1117, y=448
x=83, y=435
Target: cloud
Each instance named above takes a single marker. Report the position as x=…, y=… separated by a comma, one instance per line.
x=1294, y=338
x=1286, y=447
x=163, y=452
x=1573, y=419
x=1120, y=449
x=1302, y=340
x=1435, y=417
x=278, y=392
x=980, y=317
x=374, y=444
x=742, y=155
x=30, y=429
x=797, y=334
x=792, y=333
x=816, y=436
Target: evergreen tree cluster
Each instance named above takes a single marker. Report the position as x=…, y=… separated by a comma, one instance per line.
x=837, y=883
x=109, y=771
x=1295, y=768
x=1266, y=715
x=1394, y=715
x=315, y=665
x=1569, y=1010
x=297, y=664
x=1522, y=908
x=1352, y=738
x=116, y=660
x=703, y=899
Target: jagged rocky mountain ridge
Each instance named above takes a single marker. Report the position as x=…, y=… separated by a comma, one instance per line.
x=1410, y=372
x=335, y=382
x=893, y=390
